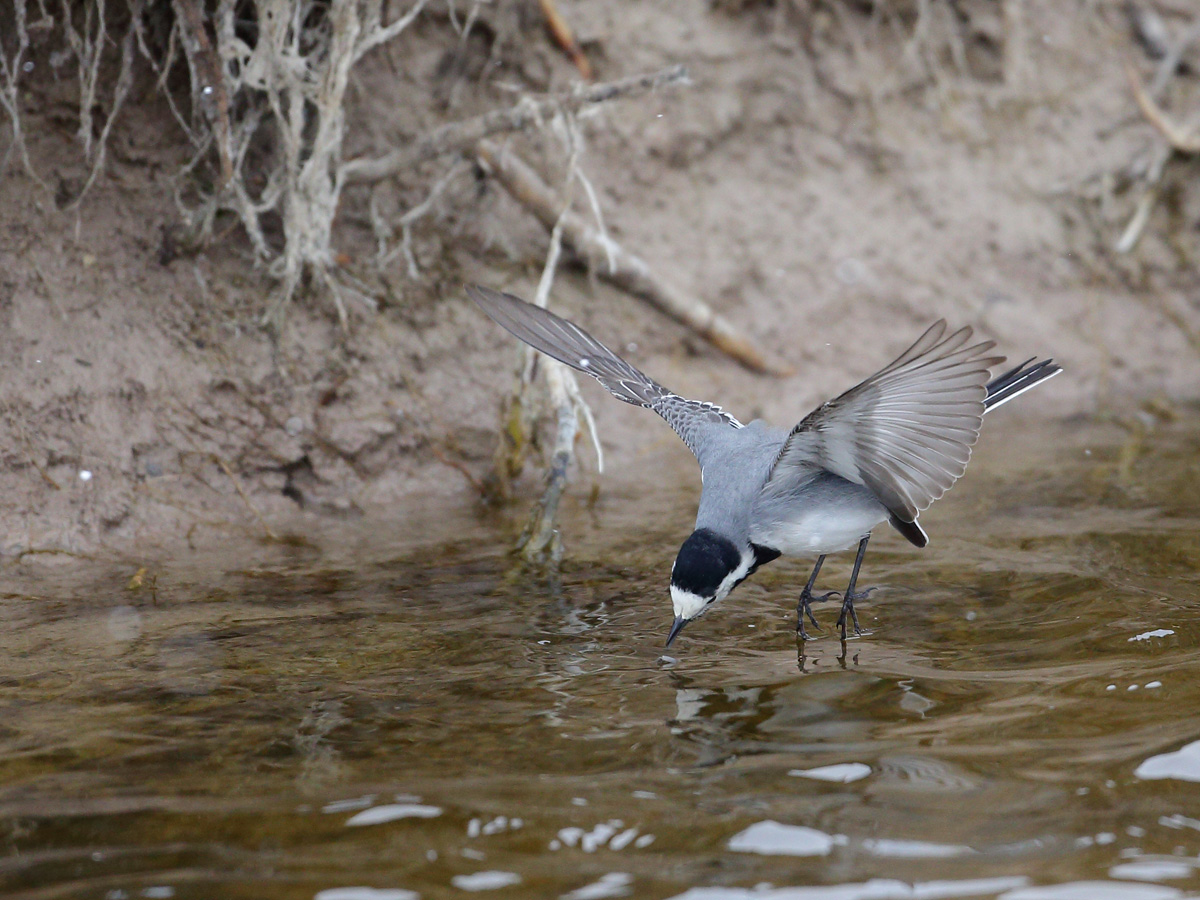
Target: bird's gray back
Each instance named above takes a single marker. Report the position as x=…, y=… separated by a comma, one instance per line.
x=734, y=465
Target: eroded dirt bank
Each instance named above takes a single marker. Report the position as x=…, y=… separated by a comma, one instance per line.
x=828, y=184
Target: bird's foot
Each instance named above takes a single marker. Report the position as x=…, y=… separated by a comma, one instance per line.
x=848, y=608
x=803, y=609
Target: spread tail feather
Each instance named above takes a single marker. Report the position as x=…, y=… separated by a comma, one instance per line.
x=1017, y=381
x=912, y=531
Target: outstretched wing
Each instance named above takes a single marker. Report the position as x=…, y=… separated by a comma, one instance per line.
x=906, y=432
x=570, y=344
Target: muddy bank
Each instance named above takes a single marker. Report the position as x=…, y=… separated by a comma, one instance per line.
x=819, y=187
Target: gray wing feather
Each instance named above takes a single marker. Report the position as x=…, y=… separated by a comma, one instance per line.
x=906, y=432
x=570, y=344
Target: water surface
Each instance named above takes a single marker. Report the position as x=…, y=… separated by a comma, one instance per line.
x=380, y=722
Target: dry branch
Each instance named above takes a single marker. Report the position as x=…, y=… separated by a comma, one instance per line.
x=613, y=262
x=462, y=136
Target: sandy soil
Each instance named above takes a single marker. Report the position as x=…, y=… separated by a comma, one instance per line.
x=828, y=183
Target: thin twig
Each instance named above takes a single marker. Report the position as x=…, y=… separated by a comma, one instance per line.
x=120, y=92
x=1014, y=43
x=162, y=68
x=1150, y=30
x=383, y=33
x=462, y=136
x=1185, y=140
x=410, y=218
x=1141, y=214
x=459, y=467
x=242, y=493
x=89, y=50
x=564, y=36
x=616, y=264
x=1173, y=58
x=574, y=144
x=594, y=203
x=1137, y=222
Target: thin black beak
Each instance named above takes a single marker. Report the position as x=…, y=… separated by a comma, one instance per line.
x=676, y=627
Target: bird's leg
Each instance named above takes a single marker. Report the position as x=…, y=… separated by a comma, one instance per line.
x=806, y=597
x=851, y=596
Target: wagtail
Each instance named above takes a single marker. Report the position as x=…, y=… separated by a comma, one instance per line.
x=881, y=452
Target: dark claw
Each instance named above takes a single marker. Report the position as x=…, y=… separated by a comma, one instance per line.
x=803, y=635
x=803, y=608
x=848, y=607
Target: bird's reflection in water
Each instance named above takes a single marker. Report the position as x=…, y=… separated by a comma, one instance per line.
x=809, y=656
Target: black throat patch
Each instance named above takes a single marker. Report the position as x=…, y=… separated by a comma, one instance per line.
x=704, y=561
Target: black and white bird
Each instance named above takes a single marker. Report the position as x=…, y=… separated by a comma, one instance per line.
x=881, y=452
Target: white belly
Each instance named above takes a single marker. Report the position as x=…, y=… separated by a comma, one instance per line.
x=814, y=531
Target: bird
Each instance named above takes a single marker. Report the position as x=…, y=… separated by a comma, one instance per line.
x=883, y=451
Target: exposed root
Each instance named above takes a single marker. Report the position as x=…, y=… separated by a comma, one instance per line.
x=87, y=42
x=120, y=93
x=11, y=69
x=1156, y=179
x=209, y=92
x=268, y=82
x=288, y=83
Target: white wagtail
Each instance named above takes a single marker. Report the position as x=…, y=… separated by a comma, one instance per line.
x=881, y=452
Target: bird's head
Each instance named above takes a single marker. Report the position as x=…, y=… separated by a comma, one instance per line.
x=707, y=568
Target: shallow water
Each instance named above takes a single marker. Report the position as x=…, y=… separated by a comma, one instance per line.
x=431, y=721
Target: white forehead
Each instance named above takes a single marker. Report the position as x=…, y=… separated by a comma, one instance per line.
x=686, y=604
